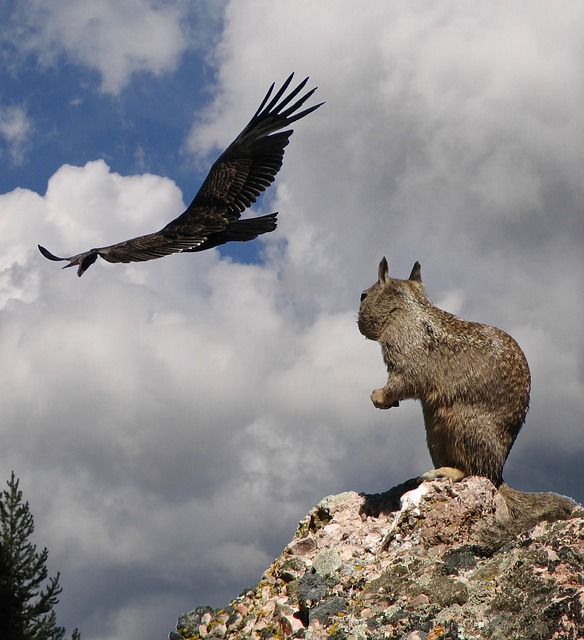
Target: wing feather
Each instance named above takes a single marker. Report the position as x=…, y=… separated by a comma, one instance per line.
x=250, y=163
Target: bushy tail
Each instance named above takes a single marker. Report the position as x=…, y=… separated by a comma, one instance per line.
x=525, y=511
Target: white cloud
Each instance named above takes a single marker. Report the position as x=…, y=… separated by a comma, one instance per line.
x=16, y=127
x=116, y=38
x=450, y=134
x=174, y=418
x=162, y=390
x=79, y=203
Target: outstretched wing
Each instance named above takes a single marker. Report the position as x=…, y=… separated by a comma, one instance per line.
x=240, y=174
x=249, y=164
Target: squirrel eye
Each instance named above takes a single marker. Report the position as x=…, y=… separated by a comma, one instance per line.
x=363, y=295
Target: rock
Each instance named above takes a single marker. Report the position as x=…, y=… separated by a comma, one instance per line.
x=411, y=564
x=327, y=561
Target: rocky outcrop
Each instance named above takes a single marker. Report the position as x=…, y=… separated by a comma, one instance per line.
x=411, y=564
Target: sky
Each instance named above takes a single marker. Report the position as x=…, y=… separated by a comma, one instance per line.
x=172, y=421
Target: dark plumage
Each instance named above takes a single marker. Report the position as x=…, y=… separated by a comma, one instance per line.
x=241, y=173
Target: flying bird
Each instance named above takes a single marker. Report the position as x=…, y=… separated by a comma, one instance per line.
x=241, y=173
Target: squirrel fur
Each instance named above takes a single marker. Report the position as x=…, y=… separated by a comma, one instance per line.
x=473, y=381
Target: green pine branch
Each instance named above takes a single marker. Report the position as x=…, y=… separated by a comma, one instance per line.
x=27, y=594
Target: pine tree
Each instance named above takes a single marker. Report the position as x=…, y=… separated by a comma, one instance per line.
x=27, y=595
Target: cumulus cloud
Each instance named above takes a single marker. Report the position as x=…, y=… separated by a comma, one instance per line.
x=174, y=419
x=180, y=395
x=453, y=136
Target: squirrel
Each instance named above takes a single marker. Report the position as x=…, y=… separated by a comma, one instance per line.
x=473, y=381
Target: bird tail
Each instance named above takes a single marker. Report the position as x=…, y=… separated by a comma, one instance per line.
x=251, y=228
x=240, y=231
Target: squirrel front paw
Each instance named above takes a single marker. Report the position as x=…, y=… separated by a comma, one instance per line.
x=444, y=472
x=379, y=401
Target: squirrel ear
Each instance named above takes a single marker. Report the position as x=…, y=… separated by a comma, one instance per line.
x=382, y=273
x=416, y=273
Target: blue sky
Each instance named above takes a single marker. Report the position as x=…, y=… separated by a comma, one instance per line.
x=143, y=128
x=172, y=421
x=140, y=128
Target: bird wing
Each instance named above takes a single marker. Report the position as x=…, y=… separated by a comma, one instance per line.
x=147, y=247
x=249, y=164
x=241, y=173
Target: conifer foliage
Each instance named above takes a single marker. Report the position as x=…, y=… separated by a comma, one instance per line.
x=27, y=594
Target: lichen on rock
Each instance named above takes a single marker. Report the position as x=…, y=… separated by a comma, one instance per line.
x=411, y=564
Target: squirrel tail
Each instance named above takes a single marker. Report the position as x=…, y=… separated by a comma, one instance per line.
x=525, y=511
